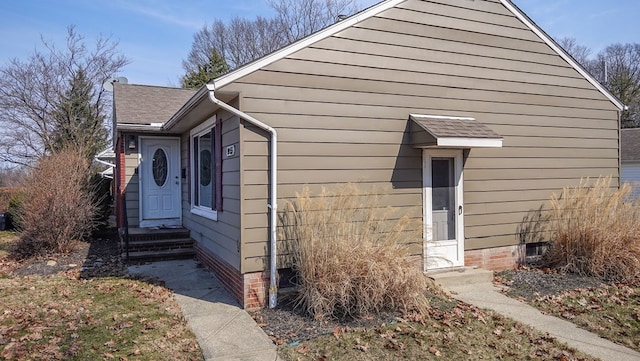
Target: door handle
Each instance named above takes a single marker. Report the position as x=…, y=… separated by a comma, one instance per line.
x=460, y=210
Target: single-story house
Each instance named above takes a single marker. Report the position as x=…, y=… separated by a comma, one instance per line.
x=630, y=158
x=464, y=113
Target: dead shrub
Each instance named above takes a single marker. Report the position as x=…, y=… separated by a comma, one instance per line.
x=351, y=255
x=57, y=208
x=5, y=197
x=595, y=231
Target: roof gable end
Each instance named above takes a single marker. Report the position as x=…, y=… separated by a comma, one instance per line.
x=563, y=54
x=388, y=4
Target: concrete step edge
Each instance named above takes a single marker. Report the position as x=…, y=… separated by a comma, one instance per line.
x=461, y=276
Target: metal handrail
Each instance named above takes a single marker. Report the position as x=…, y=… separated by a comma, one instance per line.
x=126, y=226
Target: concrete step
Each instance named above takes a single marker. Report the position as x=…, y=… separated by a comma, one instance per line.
x=155, y=244
x=146, y=234
x=160, y=255
x=461, y=276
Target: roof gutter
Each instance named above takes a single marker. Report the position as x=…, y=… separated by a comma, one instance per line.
x=273, y=206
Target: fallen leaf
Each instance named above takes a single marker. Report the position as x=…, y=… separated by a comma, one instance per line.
x=434, y=351
x=336, y=333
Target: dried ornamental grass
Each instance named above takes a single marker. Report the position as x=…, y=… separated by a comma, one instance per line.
x=350, y=256
x=596, y=231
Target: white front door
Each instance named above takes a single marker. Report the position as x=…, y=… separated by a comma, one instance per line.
x=443, y=209
x=159, y=177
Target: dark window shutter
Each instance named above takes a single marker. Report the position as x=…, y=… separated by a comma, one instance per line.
x=188, y=171
x=217, y=136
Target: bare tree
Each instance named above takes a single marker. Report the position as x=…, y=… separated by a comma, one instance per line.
x=32, y=92
x=242, y=40
x=209, y=39
x=579, y=52
x=238, y=42
x=300, y=18
x=618, y=68
x=248, y=40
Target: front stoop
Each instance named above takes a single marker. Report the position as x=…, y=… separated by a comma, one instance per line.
x=148, y=245
x=460, y=276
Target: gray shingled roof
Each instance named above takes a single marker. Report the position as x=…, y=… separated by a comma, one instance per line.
x=454, y=127
x=630, y=143
x=146, y=104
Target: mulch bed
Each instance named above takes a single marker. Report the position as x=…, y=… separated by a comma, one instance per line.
x=287, y=325
x=531, y=283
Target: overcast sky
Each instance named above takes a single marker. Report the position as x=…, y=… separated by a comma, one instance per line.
x=156, y=34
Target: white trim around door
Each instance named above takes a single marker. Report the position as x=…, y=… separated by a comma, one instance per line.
x=160, y=187
x=443, y=208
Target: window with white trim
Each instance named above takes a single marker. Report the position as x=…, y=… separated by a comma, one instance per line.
x=204, y=182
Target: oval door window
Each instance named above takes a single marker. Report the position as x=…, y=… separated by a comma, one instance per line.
x=160, y=167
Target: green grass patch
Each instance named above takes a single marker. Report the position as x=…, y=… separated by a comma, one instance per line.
x=65, y=318
x=460, y=332
x=613, y=312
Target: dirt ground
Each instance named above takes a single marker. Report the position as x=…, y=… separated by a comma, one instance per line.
x=98, y=258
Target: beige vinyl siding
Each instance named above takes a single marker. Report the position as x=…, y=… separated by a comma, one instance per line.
x=222, y=237
x=341, y=108
x=132, y=187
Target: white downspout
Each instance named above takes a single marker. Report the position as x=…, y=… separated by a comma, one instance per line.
x=273, y=205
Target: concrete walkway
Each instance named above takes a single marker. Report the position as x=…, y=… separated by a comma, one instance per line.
x=224, y=330
x=486, y=295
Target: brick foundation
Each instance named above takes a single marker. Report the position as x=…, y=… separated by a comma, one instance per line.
x=250, y=289
x=494, y=259
x=256, y=290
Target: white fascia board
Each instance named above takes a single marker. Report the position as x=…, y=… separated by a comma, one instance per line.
x=542, y=35
x=303, y=43
x=443, y=117
x=140, y=127
x=470, y=142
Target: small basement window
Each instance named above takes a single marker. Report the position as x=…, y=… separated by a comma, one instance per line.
x=535, y=251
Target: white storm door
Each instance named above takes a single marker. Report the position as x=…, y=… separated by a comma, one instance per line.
x=159, y=175
x=443, y=209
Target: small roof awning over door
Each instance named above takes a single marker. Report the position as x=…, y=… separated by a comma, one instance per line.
x=429, y=131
